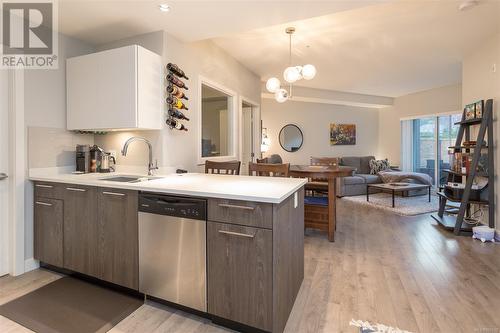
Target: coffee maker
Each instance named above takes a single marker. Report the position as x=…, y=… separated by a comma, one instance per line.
x=82, y=158
x=96, y=153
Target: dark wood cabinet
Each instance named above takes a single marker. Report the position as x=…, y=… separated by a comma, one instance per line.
x=240, y=274
x=255, y=251
x=255, y=272
x=48, y=231
x=118, y=249
x=80, y=229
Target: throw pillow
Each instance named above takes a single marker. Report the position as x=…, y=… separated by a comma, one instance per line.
x=379, y=165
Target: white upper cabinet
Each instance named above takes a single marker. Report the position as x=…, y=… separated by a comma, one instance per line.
x=115, y=89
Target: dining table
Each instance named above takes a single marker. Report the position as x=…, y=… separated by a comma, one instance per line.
x=330, y=173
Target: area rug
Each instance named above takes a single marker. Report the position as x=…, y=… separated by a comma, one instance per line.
x=70, y=305
x=405, y=206
x=367, y=327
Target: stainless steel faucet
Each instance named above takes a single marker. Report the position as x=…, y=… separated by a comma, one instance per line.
x=151, y=167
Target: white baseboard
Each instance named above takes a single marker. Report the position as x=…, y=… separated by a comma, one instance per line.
x=30, y=264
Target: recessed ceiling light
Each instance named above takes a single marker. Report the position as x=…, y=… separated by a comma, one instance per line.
x=467, y=4
x=164, y=7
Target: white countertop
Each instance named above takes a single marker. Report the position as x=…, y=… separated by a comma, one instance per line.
x=259, y=189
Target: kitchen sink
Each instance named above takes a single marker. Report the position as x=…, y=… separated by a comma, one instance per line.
x=129, y=179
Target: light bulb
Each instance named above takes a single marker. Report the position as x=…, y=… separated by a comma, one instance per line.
x=291, y=74
x=164, y=7
x=281, y=95
x=273, y=84
x=308, y=72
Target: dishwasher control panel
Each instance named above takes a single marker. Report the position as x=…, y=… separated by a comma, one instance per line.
x=173, y=206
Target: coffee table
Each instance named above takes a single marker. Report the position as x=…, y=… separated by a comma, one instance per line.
x=397, y=187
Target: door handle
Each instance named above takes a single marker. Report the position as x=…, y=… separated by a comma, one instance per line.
x=74, y=189
x=114, y=193
x=236, y=206
x=3, y=176
x=44, y=186
x=231, y=233
x=43, y=204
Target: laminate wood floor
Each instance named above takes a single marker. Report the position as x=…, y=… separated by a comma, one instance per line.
x=399, y=271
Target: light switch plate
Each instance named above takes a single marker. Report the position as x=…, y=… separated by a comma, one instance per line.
x=295, y=199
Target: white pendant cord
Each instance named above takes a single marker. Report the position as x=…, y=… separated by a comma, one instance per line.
x=290, y=60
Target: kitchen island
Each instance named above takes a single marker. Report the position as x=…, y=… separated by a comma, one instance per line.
x=253, y=229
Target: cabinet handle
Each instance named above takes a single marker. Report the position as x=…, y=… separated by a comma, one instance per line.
x=114, y=193
x=76, y=189
x=236, y=206
x=44, y=186
x=43, y=204
x=231, y=233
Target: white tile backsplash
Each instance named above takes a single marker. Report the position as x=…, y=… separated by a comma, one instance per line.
x=54, y=147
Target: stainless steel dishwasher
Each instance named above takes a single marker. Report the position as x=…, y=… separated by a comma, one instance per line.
x=172, y=249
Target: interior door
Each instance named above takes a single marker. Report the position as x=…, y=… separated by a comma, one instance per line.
x=248, y=153
x=4, y=188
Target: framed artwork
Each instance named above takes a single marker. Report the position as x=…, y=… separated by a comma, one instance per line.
x=342, y=134
x=479, y=109
x=470, y=112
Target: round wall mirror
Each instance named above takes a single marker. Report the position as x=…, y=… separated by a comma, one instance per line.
x=291, y=138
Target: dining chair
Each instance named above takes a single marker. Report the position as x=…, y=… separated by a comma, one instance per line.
x=269, y=170
x=223, y=168
x=318, y=185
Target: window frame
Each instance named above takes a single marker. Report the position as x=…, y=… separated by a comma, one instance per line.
x=232, y=115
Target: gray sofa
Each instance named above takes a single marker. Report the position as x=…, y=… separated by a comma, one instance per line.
x=356, y=184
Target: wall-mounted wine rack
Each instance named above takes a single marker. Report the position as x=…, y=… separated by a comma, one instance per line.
x=176, y=97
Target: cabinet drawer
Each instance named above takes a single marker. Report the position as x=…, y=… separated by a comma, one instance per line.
x=47, y=190
x=254, y=214
x=240, y=274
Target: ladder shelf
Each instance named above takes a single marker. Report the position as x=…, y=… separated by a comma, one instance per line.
x=457, y=222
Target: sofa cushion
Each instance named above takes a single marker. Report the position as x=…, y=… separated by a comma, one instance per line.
x=351, y=161
x=377, y=166
x=370, y=179
x=365, y=164
x=353, y=180
x=320, y=201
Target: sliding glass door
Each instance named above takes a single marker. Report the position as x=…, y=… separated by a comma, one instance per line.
x=425, y=143
x=447, y=134
x=424, y=146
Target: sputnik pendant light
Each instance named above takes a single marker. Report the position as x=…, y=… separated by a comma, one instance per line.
x=291, y=74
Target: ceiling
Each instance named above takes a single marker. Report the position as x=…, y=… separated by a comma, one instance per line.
x=389, y=49
x=103, y=21
x=378, y=47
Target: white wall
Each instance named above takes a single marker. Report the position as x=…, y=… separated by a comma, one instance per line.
x=480, y=81
x=45, y=106
x=174, y=148
x=430, y=102
x=314, y=120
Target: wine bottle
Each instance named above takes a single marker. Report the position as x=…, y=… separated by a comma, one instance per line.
x=176, y=91
x=172, y=123
x=176, y=103
x=176, y=70
x=172, y=79
x=177, y=114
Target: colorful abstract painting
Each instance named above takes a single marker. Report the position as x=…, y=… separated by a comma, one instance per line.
x=342, y=134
